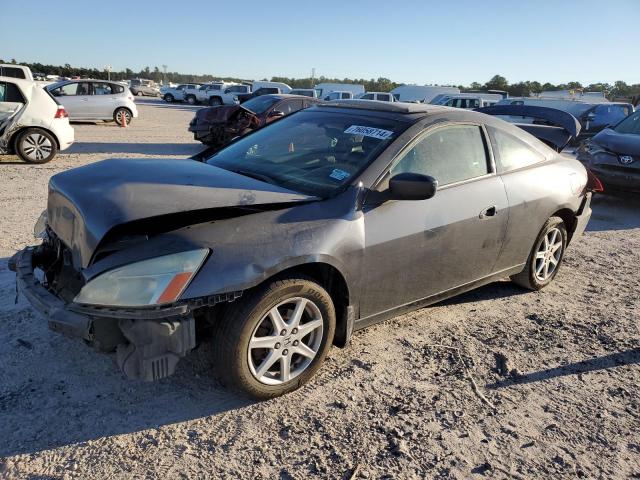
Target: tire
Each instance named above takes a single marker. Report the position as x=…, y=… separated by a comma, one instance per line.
x=544, y=259
x=191, y=100
x=168, y=98
x=35, y=145
x=139, y=94
x=120, y=112
x=258, y=371
x=215, y=101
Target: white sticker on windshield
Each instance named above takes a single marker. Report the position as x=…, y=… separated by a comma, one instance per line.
x=339, y=174
x=378, y=133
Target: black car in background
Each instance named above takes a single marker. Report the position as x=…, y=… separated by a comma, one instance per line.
x=614, y=155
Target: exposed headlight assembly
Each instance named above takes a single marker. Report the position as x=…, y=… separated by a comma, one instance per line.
x=156, y=281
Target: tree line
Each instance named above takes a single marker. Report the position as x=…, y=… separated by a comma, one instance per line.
x=617, y=90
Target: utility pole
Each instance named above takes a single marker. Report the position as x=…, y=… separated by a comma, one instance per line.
x=313, y=76
x=164, y=75
x=108, y=69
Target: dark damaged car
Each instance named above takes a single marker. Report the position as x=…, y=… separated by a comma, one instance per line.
x=217, y=126
x=614, y=155
x=292, y=237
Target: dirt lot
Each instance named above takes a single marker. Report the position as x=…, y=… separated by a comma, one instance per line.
x=561, y=367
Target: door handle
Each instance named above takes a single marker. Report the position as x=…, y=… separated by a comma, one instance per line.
x=488, y=212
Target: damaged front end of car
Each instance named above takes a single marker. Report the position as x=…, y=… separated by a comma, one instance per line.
x=117, y=271
x=217, y=126
x=150, y=339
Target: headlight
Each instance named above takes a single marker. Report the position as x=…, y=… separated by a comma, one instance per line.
x=155, y=281
x=40, y=228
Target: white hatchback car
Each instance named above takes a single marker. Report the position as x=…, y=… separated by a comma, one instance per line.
x=33, y=124
x=95, y=100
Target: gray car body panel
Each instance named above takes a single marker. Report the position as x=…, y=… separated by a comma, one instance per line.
x=390, y=255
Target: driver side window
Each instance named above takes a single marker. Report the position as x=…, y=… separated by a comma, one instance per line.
x=449, y=154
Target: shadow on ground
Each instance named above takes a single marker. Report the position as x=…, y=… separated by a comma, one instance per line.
x=57, y=391
x=628, y=357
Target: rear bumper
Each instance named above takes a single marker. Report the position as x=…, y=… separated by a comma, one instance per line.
x=64, y=132
x=583, y=216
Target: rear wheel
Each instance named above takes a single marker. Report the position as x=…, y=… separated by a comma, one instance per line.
x=34, y=145
x=545, y=257
x=191, y=100
x=275, y=339
x=215, y=101
x=139, y=94
x=122, y=115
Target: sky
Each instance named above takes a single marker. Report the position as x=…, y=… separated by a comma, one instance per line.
x=424, y=42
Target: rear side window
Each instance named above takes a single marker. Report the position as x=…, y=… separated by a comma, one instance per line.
x=9, y=92
x=512, y=153
x=116, y=88
x=12, y=72
x=449, y=154
x=384, y=97
x=102, y=89
x=368, y=96
x=346, y=96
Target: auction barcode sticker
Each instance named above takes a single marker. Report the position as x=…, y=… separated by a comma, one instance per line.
x=378, y=133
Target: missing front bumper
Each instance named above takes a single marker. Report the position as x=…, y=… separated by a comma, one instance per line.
x=149, y=342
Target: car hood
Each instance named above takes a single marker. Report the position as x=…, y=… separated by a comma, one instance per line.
x=86, y=203
x=621, y=143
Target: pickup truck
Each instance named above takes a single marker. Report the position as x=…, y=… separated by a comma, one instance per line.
x=228, y=96
x=177, y=94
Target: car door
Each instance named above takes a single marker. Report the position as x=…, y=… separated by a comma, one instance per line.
x=418, y=248
x=11, y=102
x=102, y=102
x=74, y=97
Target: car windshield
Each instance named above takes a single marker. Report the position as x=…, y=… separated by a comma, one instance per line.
x=631, y=124
x=259, y=105
x=313, y=152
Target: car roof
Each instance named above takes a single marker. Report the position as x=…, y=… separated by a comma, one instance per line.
x=18, y=81
x=391, y=107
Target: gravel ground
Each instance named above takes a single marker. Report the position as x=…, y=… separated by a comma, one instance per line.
x=558, y=370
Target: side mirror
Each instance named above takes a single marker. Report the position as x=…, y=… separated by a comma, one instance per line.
x=591, y=116
x=276, y=113
x=412, y=186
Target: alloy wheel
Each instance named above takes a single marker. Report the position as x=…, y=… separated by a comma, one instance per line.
x=285, y=341
x=36, y=146
x=548, y=255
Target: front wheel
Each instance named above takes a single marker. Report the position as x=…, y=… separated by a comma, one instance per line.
x=139, y=94
x=546, y=256
x=275, y=339
x=215, y=101
x=34, y=145
x=168, y=98
x=191, y=100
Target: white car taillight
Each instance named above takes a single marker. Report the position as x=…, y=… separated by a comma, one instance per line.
x=61, y=113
